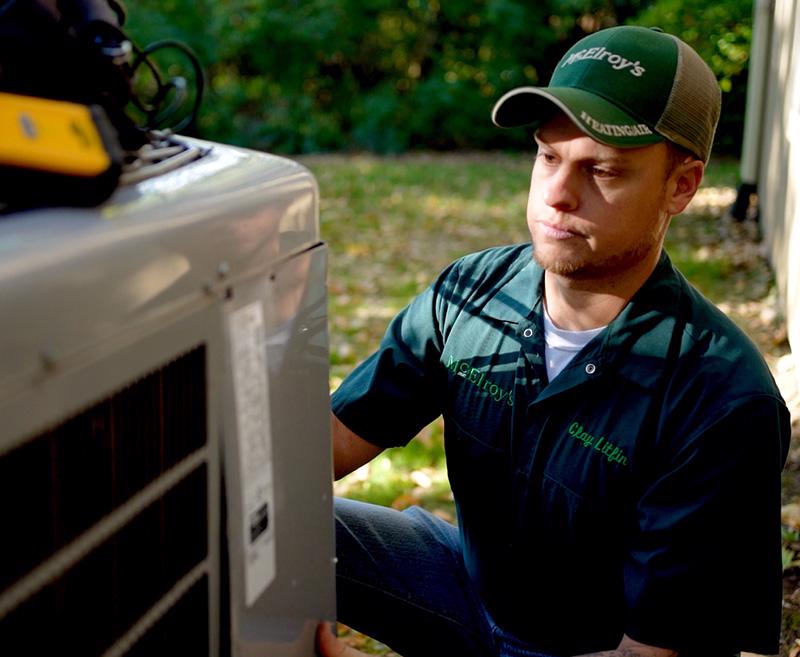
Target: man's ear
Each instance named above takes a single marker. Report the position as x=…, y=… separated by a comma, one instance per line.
x=683, y=185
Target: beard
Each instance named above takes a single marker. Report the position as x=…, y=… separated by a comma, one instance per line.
x=583, y=266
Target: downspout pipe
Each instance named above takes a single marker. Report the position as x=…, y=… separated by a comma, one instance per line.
x=754, y=110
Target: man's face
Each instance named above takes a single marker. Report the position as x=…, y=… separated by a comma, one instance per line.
x=595, y=211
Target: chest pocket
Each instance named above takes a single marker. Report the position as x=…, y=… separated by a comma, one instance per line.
x=582, y=489
x=477, y=438
x=479, y=403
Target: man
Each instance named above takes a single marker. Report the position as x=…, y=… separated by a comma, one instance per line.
x=614, y=443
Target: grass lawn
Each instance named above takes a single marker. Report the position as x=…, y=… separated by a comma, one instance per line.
x=393, y=223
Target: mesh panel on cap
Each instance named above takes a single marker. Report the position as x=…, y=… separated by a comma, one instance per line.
x=692, y=111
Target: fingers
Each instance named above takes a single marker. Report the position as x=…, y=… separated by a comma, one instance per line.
x=329, y=646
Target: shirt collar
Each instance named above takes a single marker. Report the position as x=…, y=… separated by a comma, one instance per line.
x=519, y=297
x=636, y=343
x=639, y=340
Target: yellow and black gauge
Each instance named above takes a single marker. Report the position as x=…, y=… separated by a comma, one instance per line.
x=54, y=151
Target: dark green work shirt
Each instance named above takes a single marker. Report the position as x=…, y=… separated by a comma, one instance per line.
x=638, y=492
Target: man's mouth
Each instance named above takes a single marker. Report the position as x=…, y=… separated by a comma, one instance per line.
x=556, y=232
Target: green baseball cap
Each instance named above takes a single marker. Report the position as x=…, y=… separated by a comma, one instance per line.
x=625, y=86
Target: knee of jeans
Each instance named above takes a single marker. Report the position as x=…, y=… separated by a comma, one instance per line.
x=352, y=512
x=359, y=522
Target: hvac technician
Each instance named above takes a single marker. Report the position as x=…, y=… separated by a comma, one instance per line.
x=614, y=442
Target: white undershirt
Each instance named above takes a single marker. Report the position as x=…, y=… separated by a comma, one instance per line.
x=560, y=346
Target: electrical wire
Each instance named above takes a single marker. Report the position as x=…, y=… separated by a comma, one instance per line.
x=158, y=115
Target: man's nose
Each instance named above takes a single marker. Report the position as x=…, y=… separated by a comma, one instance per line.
x=560, y=189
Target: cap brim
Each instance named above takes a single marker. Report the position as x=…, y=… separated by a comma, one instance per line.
x=595, y=116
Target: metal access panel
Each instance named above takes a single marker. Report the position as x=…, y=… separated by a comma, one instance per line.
x=165, y=465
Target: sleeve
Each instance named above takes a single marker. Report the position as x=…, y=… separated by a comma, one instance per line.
x=703, y=571
x=398, y=390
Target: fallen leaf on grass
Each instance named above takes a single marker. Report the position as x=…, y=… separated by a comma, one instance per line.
x=404, y=501
x=790, y=515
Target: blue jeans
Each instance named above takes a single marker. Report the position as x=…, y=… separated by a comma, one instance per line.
x=400, y=579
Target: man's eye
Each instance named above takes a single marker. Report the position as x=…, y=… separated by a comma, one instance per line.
x=600, y=172
x=549, y=158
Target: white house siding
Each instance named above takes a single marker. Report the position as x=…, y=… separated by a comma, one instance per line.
x=779, y=178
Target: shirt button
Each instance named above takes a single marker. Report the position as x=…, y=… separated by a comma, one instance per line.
x=590, y=368
x=527, y=332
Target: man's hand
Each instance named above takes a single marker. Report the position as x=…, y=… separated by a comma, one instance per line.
x=630, y=648
x=329, y=646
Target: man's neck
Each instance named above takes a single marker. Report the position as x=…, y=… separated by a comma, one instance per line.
x=580, y=305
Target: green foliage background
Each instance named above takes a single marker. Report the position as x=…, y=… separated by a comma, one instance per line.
x=299, y=76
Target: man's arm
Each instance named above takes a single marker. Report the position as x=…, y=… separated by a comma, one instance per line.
x=350, y=451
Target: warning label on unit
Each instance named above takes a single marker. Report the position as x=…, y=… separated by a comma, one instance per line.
x=250, y=386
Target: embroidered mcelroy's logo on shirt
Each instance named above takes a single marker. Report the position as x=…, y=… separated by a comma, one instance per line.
x=600, y=444
x=480, y=380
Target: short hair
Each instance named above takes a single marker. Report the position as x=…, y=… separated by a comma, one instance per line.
x=677, y=155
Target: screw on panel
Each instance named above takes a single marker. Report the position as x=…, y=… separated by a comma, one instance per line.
x=48, y=359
